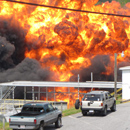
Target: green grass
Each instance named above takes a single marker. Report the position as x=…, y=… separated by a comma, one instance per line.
x=70, y=111
x=6, y=126
x=119, y=98
x=118, y=102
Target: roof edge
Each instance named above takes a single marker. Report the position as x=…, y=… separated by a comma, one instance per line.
x=125, y=68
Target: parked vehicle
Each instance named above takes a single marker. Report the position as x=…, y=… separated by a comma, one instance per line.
x=96, y=101
x=35, y=116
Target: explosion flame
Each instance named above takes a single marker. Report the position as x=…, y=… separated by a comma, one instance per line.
x=38, y=43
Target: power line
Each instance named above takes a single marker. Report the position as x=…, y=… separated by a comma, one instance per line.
x=77, y=10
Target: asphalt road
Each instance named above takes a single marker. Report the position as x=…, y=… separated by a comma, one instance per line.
x=119, y=120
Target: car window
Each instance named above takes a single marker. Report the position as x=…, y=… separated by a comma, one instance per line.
x=33, y=109
x=40, y=109
x=92, y=97
x=26, y=109
x=109, y=95
x=46, y=107
x=106, y=95
x=50, y=107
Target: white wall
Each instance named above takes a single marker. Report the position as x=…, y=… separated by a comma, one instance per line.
x=125, y=84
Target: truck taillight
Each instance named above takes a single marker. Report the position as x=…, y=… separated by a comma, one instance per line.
x=9, y=120
x=101, y=104
x=35, y=121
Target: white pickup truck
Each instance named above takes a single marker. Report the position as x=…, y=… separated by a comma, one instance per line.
x=35, y=116
x=96, y=101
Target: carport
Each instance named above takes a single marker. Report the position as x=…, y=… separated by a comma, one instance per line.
x=10, y=86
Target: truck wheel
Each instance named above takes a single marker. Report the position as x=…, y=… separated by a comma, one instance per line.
x=77, y=104
x=41, y=127
x=104, y=113
x=58, y=123
x=84, y=113
x=113, y=108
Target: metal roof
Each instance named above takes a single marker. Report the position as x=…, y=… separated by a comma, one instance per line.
x=125, y=68
x=97, y=92
x=87, y=84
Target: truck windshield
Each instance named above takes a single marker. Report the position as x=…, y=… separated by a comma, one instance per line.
x=92, y=97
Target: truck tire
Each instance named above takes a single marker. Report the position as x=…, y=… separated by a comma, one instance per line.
x=113, y=108
x=58, y=123
x=41, y=127
x=77, y=104
x=104, y=113
x=84, y=113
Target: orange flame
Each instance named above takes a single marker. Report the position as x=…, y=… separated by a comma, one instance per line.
x=61, y=40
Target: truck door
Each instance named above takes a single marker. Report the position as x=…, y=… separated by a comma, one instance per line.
x=108, y=100
x=52, y=113
x=111, y=99
x=46, y=120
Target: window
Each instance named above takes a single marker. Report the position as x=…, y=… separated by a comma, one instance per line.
x=40, y=109
x=106, y=96
x=46, y=107
x=50, y=107
x=92, y=97
x=33, y=109
x=109, y=95
x=27, y=109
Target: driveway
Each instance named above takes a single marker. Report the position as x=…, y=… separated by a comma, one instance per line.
x=119, y=120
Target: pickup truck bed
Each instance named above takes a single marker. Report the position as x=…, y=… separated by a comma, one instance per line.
x=27, y=114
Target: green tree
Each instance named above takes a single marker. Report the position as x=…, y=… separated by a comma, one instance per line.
x=122, y=2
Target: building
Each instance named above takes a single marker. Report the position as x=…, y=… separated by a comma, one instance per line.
x=125, y=82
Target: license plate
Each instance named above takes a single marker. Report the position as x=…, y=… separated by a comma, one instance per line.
x=91, y=111
x=22, y=126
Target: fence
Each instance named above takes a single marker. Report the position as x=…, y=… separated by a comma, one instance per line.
x=7, y=107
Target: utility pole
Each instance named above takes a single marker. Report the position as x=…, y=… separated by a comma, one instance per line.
x=115, y=75
x=115, y=72
x=78, y=85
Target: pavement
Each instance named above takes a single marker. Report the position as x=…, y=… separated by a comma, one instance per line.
x=118, y=120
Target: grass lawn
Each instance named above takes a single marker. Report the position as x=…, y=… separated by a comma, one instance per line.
x=70, y=111
x=6, y=126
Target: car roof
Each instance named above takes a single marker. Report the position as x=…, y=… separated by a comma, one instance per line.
x=36, y=103
x=97, y=92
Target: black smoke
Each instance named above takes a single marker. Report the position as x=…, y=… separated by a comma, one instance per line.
x=6, y=51
x=13, y=64
x=15, y=35
x=98, y=64
x=28, y=69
